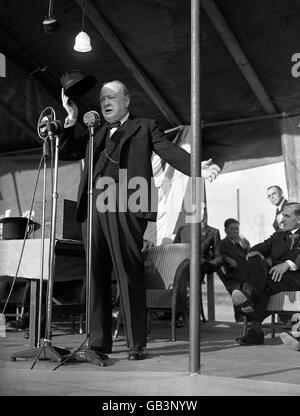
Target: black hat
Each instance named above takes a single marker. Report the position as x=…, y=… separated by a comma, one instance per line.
x=75, y=83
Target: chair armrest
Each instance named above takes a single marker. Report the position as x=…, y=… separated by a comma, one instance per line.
x=180, y=285
x=182, y=272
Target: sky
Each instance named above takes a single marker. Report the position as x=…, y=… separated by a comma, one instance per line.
x=256, y=212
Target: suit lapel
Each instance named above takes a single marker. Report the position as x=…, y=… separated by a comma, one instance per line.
x=129, y=128
x=100, y=138
x=285, y=243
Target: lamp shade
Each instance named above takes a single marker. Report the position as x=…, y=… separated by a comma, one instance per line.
x=82, y=42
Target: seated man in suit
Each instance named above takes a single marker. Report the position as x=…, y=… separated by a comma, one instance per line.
x=234, y=250
x=283, y=249
x=211, y=259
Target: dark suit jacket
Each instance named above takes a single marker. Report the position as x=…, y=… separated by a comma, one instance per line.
x=275, y=223
x=279, y=248
x=237, y=253
x=210, y=246
x=138, y=138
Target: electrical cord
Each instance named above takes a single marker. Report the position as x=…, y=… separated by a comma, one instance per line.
x=25, y=236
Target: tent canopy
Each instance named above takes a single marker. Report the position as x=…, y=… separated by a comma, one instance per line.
x=246, y=67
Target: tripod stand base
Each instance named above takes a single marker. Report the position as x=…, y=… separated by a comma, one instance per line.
x=86, y=355
x=45, y=352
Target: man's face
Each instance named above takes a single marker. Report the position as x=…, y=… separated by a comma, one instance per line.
x=290, y=221
x=114, y=104
x=274, y=196
x=233, y=231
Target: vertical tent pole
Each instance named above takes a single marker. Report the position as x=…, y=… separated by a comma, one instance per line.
x=238, y=203
x=195, y=266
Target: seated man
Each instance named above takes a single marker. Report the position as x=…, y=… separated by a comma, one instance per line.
x=283, y=249
x=211, y=259
x=234, y=250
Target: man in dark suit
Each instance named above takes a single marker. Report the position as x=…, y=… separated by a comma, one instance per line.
x=210, y=256
x=275, y=196
x=283, y=250
x=122, y=145
x=234, y=250
x=211, y=259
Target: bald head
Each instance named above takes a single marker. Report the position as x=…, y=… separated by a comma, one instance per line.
x=114, y=101
x=116, y=85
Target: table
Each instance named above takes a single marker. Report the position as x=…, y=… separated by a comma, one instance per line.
x=69, y=265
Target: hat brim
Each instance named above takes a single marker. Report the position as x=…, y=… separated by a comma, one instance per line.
x=79, y=88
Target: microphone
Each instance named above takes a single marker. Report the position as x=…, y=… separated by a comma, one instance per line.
x=54, y=127
x=91, y=118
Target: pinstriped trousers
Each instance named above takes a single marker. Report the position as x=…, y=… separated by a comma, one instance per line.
x=117, y=241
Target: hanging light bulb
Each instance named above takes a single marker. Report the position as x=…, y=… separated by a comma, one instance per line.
x=82, y=40
x=50, y=24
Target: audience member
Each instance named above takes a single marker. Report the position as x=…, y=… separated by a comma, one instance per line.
x=234, y=250
x=211, y=259
x=275, y=196
x=210, y=256
x=263, y=280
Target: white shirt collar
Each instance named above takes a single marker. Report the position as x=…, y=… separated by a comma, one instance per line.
x=112, y=130
x=280, y=205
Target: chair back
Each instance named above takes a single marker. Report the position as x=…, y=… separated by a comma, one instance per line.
x=161, y=263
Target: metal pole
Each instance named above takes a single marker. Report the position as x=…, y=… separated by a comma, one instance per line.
x=48, y=332
x=89, y=237
x=195, y=267
x=45, y=153
x=238, y=203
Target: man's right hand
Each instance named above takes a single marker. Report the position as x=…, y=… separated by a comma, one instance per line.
x=69, y=105
x=253, y=254
x=209, y=170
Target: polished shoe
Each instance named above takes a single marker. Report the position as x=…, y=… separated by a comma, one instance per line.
x=291, y=340
x=242, y=300
x=238, y=297
x=251, y=338
x=138, y=354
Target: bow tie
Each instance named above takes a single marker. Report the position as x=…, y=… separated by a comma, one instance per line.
x=115, y=125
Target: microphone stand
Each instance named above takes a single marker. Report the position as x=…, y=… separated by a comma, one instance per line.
x=46, y=154
x=83, y=353
x=47, y=350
